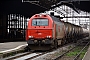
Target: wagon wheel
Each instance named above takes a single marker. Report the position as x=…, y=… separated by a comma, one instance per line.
x=63, y=41
x=55, y=44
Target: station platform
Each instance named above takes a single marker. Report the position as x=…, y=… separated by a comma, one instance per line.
x=87, y=55
x=9, y=46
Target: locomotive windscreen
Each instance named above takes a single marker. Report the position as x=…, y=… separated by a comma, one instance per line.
x=40, y=22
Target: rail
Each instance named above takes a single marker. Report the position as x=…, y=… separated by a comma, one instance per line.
x=17, y=56
x=26, y=56
x=76, y=57
x=81, y=51
x=57, y=58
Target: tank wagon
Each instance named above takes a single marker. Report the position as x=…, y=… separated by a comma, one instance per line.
x=45, y=31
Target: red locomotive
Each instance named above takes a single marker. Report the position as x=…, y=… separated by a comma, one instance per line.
x=44, y=32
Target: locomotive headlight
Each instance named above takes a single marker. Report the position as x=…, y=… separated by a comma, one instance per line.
x=48, y=36
x=30, y=36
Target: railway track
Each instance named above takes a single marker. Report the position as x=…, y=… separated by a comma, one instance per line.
x=60, y=57
x=78, y=55
x=26, y=56
x=32, y=54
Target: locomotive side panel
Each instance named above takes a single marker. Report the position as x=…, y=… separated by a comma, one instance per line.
x=59, y=28
x=60, y=31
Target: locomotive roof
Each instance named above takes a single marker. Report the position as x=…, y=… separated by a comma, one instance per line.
x=55, y=18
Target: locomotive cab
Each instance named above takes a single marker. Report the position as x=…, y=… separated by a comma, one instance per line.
x=39, y=30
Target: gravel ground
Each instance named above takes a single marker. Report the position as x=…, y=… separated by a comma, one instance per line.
x=51, y=55
x=67, y=58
